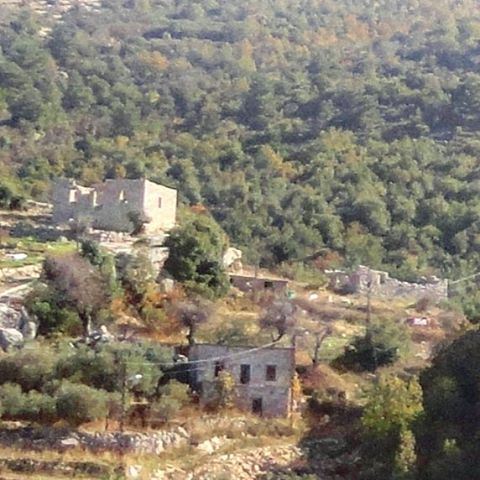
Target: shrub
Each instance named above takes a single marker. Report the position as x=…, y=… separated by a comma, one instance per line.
x=381, y=345
x=9, y=195
x=43, y=304
x=39, y=407
x=423, y=304
x=102, y=368
x=31, y=367
x=225, y=389
x=78, y=404
x=174, y=396
x=11, y=399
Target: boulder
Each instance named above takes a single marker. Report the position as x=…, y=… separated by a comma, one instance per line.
x=212, y=445
x=9, y=317
x=10, y=337
x=27, y=325
x=69, y=442
x=232, y=258
x=29, y=330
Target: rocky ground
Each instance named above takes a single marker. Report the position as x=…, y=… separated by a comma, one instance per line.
x=245, y=464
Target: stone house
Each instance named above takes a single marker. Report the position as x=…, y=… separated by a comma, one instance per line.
x=263, y=376
x=109, y=205
x=251, y=282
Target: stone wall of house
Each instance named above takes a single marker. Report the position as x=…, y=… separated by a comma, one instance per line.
x=116, y=199
x=381, y=284
x=160, y=204
x=71, y=201
x=108, y=205
x=257, y=284
x=275, y=394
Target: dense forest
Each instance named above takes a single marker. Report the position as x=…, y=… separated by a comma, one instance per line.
x=304, y=126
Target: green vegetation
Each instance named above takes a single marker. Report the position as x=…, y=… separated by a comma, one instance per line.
x=301, y=126
x=195, y=256
x=382, y=344
x=35, y=249
x=43, y=384
x=447, y=432
x=389, y=445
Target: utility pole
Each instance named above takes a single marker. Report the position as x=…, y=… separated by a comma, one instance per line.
x=123, y=380
x=369, y=298
x=369, y=322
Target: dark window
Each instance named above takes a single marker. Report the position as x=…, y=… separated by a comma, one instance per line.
x=219, y=366
x=159, y=202
x=268, y=284
x=257, y=406
x=271, y=373
x=244, y=374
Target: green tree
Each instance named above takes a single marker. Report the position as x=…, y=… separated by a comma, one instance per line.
x=446, y=434
x=389, y=446
x=382, y=344
x=78, y=404
x=195, y=256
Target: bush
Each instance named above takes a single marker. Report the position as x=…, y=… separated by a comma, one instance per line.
x=174, y=396
x=9, y=195
x=43, y=304
x=31, y=367
x=32, y=406
x=79, y=404
x=11, y=399
x=381, y=345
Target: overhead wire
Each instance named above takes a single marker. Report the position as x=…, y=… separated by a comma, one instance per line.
x=207, y=360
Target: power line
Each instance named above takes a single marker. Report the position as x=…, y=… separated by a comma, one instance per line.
x=463, y=279
x=208, y=360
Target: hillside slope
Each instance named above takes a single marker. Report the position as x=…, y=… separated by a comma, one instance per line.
x=302, y=124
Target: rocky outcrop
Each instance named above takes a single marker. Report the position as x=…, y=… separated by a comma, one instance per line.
x=20, y=274
x=9, y=317
x=10, y=338
x=244, y=465
x=16, y=326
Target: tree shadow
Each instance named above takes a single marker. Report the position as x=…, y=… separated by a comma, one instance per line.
x=330, y=444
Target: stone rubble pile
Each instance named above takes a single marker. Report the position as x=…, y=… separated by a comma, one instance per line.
x=246, y=465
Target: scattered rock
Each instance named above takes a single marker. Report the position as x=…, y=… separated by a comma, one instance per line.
x=212, y=445
x=10, y=337
x=69, y=442
x=9, y=317
x=134, y=471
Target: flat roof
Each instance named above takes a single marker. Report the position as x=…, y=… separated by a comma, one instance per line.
x=258, y=276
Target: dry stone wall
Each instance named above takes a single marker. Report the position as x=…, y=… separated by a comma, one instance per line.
x=382, y=285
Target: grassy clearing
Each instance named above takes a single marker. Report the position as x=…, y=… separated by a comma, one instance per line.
x=36, y=250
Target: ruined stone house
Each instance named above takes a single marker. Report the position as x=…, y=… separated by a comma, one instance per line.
x=381, y=284
x=109, y=205
x=263, y=377
x=251, y=281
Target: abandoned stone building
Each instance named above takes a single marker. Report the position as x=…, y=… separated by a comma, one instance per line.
x=263, y=377
x=381, y=284
x=247, y=281
x=110, y=205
